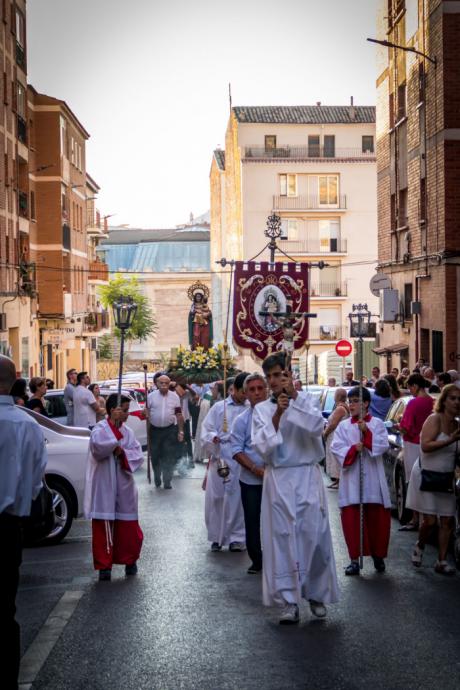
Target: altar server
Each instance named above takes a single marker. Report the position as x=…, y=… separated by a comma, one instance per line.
x=223, y=508
x=111, y=493
x=298, y=560
x=370, y=438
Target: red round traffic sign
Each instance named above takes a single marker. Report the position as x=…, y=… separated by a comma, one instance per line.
x=344, y=348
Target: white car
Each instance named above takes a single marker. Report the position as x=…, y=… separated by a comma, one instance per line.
x=65, y=471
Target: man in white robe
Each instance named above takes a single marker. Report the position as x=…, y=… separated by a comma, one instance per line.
x=298, y=560
x=370, y=438
x=111, y=493
x=223, y=508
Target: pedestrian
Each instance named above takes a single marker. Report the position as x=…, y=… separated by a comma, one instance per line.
x=186, y=447
x=439, y=441
x=110, y=491
x=375, y=375
x=252, y=469
x=296, y=538
x=417, y=411
x=395, y=372
x=453, y=373
x=298, y=385
x=96, y=391
x=68, y=394
x=22, y=465
x=49, y=384
x=19, y=392
x=394, y=388
x=443, y=380
x=338, y=414
x=367, y=435
x=349, y=380
x=37, y=387
x=332, y=382
x=381, y=400
x=85, y=406
x=402, y=378
x=166, y=430
x=223, y=508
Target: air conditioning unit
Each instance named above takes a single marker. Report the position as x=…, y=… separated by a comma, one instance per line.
x=3, y=326
x=415, y=307
x=389, y=305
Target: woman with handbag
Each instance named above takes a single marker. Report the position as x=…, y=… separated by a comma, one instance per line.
x=431, y=487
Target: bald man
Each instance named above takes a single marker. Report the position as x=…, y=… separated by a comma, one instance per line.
x=22, y=464
x=166, y=430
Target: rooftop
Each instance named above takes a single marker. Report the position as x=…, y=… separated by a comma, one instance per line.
x=305, y=114
x=185, y=233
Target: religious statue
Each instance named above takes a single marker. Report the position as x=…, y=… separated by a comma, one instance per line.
x=270, y=306
x=200, y=317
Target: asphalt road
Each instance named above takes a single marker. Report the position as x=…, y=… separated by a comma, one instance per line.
x=192, y=619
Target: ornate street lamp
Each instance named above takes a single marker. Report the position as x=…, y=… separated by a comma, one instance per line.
x=124, y=311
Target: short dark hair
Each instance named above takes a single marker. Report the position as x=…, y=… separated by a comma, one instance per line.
x=382, y=388
x=157, y=376
x=71, y=371
x=112, y=400
x=355, y=393
x=240, y=379
x=35, y=383
x=92, y=386
x=417, y=380
x=445, y=377
x=81, y=376
x=272, y=361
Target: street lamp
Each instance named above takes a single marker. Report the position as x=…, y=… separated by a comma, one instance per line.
x=124, y=311
x=407, y=49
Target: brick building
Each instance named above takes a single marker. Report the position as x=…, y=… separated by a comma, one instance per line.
x=19, y=335
x=418, y=162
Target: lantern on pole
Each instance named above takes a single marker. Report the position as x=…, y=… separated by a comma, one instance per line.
x=124, y=311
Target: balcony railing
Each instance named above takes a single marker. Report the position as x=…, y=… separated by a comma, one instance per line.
x=21, y=131
x=20, y=56
x=335, y=289
x=308, y=203
x=327, y=332
x=66, y=237
x=27, y=279
x=23, y=204
x=98, y=270
x=306, y=152
x=96, y=321
x=314, y=246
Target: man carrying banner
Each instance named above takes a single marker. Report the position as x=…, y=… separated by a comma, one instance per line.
x=367, y=435
x=296, y=539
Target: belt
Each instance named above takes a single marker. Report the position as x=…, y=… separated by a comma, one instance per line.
x=162, y=428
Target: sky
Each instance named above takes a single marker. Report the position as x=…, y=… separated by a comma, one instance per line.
x=149, y=80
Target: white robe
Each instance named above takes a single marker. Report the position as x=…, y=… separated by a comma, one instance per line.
x=298, y=559
x=110, y=491
x=223, y=509
x=375, y=486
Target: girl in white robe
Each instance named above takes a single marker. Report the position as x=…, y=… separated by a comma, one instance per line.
x=111, y=494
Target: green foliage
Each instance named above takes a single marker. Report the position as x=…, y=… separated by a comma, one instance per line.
x=104, y=344
x=144, y=323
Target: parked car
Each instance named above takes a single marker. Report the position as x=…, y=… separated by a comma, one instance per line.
x=67, y=449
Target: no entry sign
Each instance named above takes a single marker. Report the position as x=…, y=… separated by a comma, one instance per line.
x=343, y=348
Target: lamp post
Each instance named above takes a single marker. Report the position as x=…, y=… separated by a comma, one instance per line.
x=124, y=311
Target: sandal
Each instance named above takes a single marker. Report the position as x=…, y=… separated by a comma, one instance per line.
x=417, y=555
x=443, y=568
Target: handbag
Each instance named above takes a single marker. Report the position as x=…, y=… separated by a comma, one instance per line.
x=439, y=482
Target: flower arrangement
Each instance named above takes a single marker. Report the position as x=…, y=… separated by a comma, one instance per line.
x=200, y=365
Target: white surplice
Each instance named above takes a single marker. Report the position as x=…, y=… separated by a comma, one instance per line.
x=298, y=559
x=110, y=490
x=375, y=486
x=223, y=509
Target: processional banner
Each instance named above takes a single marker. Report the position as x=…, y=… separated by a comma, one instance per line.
x=262, y=290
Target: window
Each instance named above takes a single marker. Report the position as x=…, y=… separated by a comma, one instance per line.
x=20, y=29
x=329, y=232
x=63, y=129
x=328, y=190
x=289, y=229
x=313, y=146
x=368, y=144
x=288, y=185
x=407, y=301
x=21, y=100
x=401, y=101
x=72, y=150
x=329, y=146
x=270, y=142
x=402, y=210
x=25, y=356
x=411, y=18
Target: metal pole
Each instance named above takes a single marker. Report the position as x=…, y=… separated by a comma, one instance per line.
x=361, y=469
x=147, y=420
x=120, y=370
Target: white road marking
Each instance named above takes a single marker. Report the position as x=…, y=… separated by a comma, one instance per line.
x=39, y=650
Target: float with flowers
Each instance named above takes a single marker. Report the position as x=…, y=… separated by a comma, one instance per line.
x=200, y=365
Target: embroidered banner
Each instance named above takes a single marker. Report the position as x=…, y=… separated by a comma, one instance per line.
x=261, y=290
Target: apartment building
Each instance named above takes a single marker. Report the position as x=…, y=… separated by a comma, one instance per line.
x=19, y=333
x=315, y=167
x=418, y=160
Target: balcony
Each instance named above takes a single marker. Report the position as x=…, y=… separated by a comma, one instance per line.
x=21, y=129
x=66, y=237
x=23, y=204
x=308, y=203
x=327, y=333
x=330, y=245
x=335, y=289
x=305, y=153
x=20, y=56
x=98, y=271
x=27, y=279
x=96, y=321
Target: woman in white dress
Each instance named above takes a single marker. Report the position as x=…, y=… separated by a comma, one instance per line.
x=439, y=441
x=339, y=413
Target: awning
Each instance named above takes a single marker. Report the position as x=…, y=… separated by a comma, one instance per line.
x=400, y=347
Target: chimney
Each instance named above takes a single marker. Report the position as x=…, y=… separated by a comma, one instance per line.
x=318, y=103
x=352, y=110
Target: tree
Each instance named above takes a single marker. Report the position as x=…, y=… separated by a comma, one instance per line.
x=144, y=324
x=105, y=346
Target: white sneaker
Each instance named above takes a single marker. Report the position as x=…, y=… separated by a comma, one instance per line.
x=318, y=609
x=290, y=614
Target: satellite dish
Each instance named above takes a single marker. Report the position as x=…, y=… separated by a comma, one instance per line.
x=379, y=282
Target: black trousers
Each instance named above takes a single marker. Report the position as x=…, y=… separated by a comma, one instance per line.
x=163, y=452
x=11, y=541
x=194, y=413
x=251, y=498
x=188, y=439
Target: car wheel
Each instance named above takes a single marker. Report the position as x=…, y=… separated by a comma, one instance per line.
x=63, y=508
x=403, y=513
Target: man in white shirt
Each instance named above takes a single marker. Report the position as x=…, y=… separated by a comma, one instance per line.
x=84, y=403
x=22, y=464
x=166, y=430
x=68, y=394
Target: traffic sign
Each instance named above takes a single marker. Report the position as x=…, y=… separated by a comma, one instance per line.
x=344, y=348
x=379, y=281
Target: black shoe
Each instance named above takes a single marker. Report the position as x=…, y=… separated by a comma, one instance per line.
x=254, y=569
x=105, y=575
x=379, y=564
x=157, y=483
x=215, y=546
x=167, y=486
x=131, y=569
x=352, y=569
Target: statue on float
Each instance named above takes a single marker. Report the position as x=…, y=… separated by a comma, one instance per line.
x=200, y=317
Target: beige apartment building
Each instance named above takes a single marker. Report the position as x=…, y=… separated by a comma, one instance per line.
x=315, y=167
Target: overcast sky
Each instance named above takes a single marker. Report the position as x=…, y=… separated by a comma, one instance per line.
x=149, y=80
